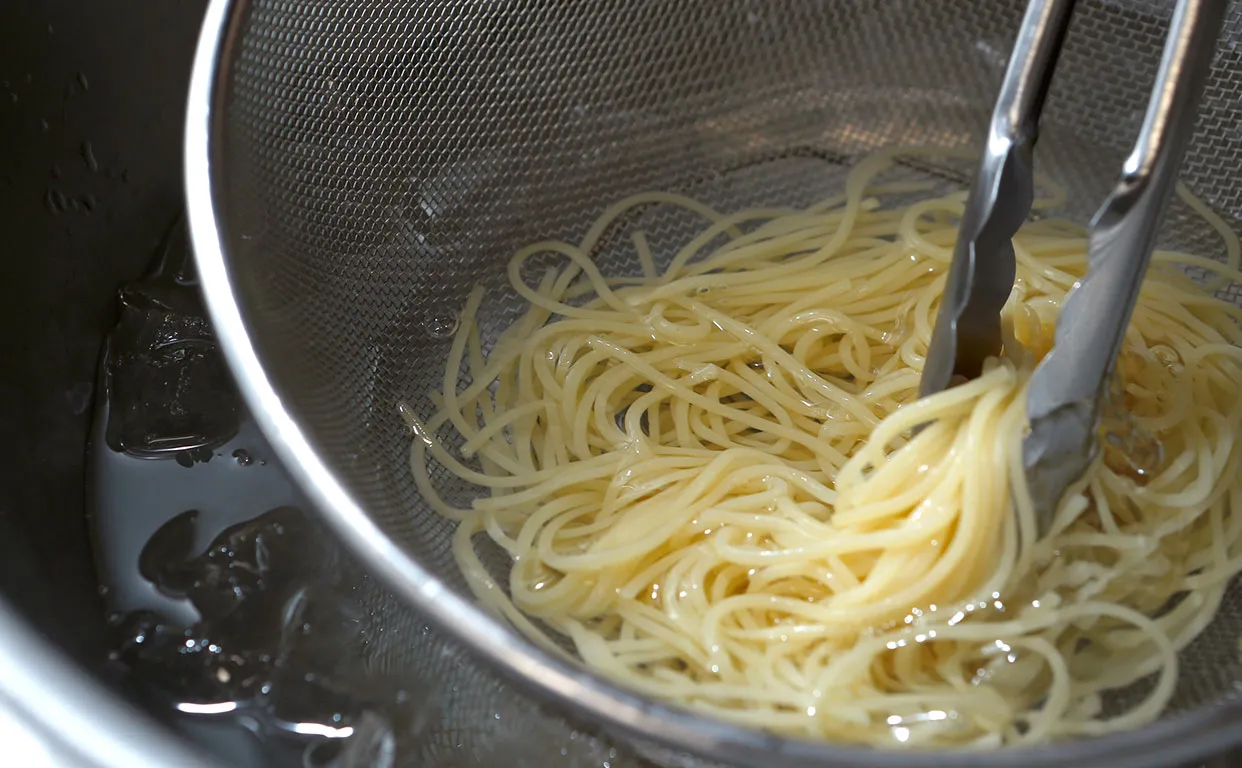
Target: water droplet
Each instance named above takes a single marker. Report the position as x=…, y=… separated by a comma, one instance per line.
x=79, y=397
x=243, y=457
x=191, y=456
x=55, y=201
x=88, y=156
x=1129, y=449
x=1169, y=358
x=993, y=55
x=442, y=325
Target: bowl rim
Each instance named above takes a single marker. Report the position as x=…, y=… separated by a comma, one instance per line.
x=58, y=715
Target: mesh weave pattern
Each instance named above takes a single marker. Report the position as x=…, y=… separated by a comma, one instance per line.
x=380, y=158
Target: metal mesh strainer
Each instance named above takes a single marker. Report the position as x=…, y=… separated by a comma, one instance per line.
x=356, y=166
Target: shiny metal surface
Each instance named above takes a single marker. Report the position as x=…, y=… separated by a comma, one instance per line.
x=354, y=168
x=1071, y=383
x=968, y=325
x=110, y=77
x=59, y=708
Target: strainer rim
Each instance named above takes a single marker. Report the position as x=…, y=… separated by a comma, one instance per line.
x=550, y=680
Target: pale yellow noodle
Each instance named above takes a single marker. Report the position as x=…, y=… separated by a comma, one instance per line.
x=710, y=480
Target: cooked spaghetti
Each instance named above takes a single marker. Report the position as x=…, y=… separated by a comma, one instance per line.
x=709, y=480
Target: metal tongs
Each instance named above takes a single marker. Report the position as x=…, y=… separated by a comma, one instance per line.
x=1070, y=384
